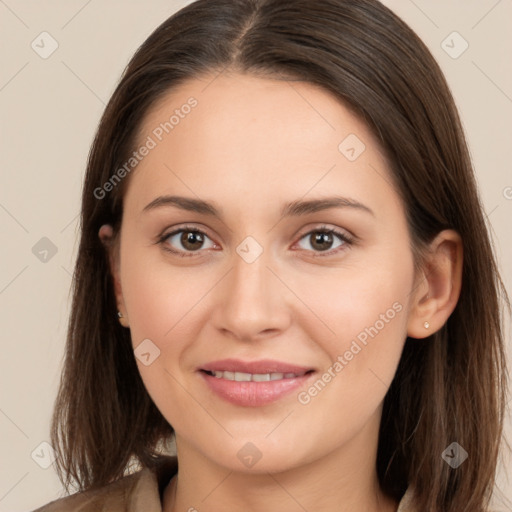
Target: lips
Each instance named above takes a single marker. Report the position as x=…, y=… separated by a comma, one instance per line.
x=253, y=383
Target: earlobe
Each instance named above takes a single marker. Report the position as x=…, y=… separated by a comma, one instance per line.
x=438, y=290
x=105, y=234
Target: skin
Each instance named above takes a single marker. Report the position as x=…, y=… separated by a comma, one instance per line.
x=250, y=146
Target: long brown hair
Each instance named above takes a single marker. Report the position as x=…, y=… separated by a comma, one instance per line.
x=448, y=388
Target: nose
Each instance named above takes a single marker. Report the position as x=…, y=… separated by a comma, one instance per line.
x=252, y=302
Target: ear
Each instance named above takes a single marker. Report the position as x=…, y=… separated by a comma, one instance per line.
x=105, y=234
x=438, y=286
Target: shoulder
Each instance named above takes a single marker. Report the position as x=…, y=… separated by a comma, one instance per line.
x=135, y=492
x=405, y=504
x=113, y=496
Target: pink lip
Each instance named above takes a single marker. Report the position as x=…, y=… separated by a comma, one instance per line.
x=254, y=394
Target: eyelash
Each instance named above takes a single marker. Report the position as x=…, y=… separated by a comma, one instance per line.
x=347, y=240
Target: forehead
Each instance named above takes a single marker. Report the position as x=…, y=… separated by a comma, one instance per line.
x=260, y=138
x=251, y=108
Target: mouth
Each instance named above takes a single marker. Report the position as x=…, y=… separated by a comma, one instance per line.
x=254, y=377
x=253, y=383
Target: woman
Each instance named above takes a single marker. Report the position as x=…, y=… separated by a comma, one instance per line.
x=284, y=266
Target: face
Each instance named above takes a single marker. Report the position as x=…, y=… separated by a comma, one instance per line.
x=305, y=304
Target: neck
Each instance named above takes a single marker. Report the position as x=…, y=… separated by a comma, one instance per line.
x=344, y=480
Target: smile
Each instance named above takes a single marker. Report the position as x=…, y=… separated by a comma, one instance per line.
x=253, y=383
x=254, y=377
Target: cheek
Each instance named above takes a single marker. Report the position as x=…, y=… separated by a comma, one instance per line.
x=165, y=304
x=366, y=313
x=159, y=297
x=363, y=357
x=363, y=306
x=162, y=304
x=367, y=298
x=374, y=309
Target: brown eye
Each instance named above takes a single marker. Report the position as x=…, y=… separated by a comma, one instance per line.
x=185, y=241
x=322, y=240
x=191, y=240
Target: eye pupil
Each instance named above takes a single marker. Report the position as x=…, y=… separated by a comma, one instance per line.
x=189, y=238
x=322, y=238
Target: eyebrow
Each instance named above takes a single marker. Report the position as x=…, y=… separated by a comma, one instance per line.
x=295, y=208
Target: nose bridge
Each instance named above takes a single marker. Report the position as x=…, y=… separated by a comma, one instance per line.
x=250, y=275
x=251, y=301
x=250, y=281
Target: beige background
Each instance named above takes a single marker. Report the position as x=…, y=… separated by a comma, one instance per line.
x=49, y=112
